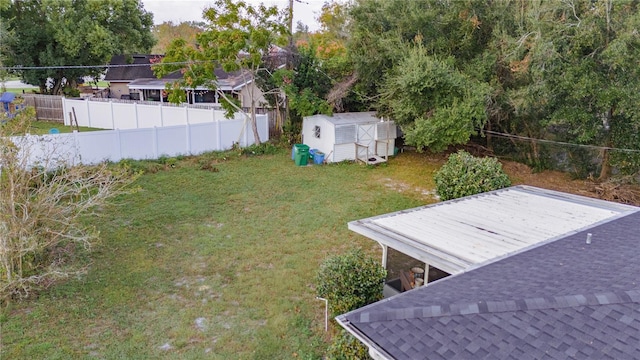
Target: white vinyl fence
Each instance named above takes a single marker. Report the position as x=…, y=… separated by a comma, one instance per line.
x=116, y=115
x=93, y=147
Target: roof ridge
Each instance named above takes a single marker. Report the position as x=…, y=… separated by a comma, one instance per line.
x=486, y=307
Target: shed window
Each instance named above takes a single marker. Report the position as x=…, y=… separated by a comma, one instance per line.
x=386, y=130
x=316, y=131
x=345, y=134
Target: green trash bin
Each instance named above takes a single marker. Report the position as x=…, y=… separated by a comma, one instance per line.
x=301, y=154
x=294, y=150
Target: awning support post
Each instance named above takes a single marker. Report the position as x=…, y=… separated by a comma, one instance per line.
x=384, y=255
x=426, y=273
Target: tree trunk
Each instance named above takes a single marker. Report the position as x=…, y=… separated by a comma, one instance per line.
x=489, y=142
x=605, y=170
x=57, y=87
x=254, y=123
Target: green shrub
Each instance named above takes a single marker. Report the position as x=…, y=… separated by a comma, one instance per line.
x=265, y=148
x=347, y=347
x=350, y=281
x=465, y=175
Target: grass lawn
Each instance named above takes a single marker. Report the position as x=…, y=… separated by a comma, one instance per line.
x=43, y=127
x=20, y=91
x=214, y=264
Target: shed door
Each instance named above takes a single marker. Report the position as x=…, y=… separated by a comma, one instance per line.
x=366, y=137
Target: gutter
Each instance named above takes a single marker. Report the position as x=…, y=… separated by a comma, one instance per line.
x=375, y=351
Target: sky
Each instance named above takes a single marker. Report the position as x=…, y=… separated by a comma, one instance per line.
x=191, y=10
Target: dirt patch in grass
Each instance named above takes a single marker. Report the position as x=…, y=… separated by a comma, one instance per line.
x=612, y=190
x=402, y=187
x=522, y=174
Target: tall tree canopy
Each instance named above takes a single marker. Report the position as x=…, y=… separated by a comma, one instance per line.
x=431, y=53
x=49, y=33
x=582, y=59
x=555, y=70
x=167, y=32
x=237, y=37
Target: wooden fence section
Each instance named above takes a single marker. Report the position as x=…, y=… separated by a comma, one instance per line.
x=48, y=107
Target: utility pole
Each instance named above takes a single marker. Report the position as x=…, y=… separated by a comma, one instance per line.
x=290, y=23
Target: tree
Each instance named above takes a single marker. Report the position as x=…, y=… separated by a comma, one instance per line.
x=423, y=63
x=4, y=33
x=167, y=32
x=545, y=70
x=381, y=30
x=42, y=202
x=79, y=32
x=330, y=46
x=305, y=85
x=434, y=104
x=583, y=55
x=237, y=38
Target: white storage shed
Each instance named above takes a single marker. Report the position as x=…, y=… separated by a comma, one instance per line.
x=350, y=136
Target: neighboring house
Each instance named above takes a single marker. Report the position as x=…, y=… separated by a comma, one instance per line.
x=565, y=284
x=350, y=136
x=139, y=83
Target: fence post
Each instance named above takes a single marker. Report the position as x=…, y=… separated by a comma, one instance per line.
x=64, y=111
x=161, y=116
x=266, y=125
x=135, y=110
x=119, y=144
x=88, y=112
x=248, y=126
x=186, y=114
x=113, y=120
x=188, y=129
x=154, y=134
x=218, y=136
x=78, y=156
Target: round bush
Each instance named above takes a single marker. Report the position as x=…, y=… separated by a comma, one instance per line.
x=347, y=347
x=465, y=175
x=350, y=281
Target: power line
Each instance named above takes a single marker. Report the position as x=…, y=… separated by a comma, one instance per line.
x=108, y=66
x=593, y=147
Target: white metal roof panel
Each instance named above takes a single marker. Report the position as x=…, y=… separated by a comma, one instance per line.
x=457, y=234
x=350, y=118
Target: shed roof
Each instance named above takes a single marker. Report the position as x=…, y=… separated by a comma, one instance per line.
x=459, y=234
x=348, y=118
x=565, y=299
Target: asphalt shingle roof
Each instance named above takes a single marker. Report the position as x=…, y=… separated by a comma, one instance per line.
x=143, y=75
x=130, y=73
x=564, y=299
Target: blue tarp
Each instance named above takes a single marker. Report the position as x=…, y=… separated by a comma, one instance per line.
x=7, y=97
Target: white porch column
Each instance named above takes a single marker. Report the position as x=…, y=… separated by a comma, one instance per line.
x=385, y=249
x=426, y=273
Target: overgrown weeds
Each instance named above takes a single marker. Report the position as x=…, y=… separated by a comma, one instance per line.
x=41, y=204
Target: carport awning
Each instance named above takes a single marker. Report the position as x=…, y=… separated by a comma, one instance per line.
x=459, y=234
x=159, y=84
